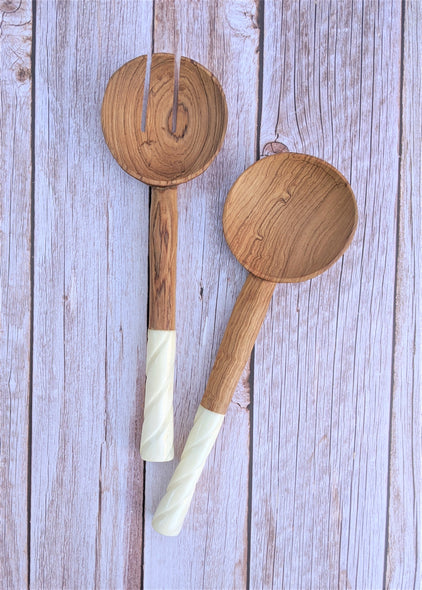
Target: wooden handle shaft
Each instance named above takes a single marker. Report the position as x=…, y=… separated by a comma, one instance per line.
x=238, y=340
x=162, y=259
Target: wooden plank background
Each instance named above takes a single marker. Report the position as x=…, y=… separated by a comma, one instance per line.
x=315, y=478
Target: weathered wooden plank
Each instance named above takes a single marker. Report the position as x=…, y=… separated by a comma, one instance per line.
x=404, y=538
x=211, y=550
x=90, y=267
x=15, y=286
x=322, y=383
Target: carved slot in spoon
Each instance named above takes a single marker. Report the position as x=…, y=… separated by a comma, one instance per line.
x=287, y=218
x=169, y=149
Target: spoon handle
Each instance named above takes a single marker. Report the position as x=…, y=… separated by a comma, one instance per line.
x=157, y=428
x=238, y=340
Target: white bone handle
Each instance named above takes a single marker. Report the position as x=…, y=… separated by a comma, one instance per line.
x=171, y=511
x=157, y=429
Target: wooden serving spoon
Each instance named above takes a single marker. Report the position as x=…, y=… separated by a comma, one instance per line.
x=287, y=218
x=172, y=149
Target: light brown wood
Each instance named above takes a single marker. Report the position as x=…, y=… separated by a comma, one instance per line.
x=162, y=259
x=289, y=217
x=238, y=340
x=160, y=156
x=172, y=149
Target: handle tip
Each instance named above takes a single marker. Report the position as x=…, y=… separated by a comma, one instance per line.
x=157, y=453
x=165, y=527
x=171, y=511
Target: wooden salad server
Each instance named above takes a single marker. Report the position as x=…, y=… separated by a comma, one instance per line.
x=287, y=218
x=165, y=149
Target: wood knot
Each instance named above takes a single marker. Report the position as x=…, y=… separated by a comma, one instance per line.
x=23, y=74
x=285, y=197
x=182, y=119
x=274, y=147
x=10, y=5
x=242, y=18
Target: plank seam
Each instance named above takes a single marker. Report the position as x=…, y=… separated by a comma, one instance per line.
x=396, y=272
x=144, y=476
x=31, y=297
x=260, y=17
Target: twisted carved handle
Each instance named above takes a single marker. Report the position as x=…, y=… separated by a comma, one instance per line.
x=157, y=429
x=235, y=349
x=170, y=514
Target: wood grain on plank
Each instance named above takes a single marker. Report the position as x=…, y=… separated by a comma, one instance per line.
x=404, y=509
x=322, y=380
x=15, y=286
x=90, y=302
x=224, y=38
x=330, y=508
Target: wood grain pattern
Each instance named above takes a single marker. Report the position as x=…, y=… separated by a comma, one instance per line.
x=323, y=359
x=237, y=343
x=289, y=217
x=169, y=149
x=162, y=259
x=15, y=286
x=318, y=460
x=224, y=38
x=161, y=154
x=90, y=302
x=403, y=565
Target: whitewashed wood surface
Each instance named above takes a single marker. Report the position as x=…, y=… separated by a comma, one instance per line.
x=314, y=482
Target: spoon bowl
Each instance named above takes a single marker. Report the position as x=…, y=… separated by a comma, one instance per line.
x=289, y=217
x=161, y=154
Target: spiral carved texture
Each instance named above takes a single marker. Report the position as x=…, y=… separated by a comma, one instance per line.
x=157, y=429
x=171, y=511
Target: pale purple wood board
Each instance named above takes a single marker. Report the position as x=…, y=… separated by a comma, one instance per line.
x=315, y=479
